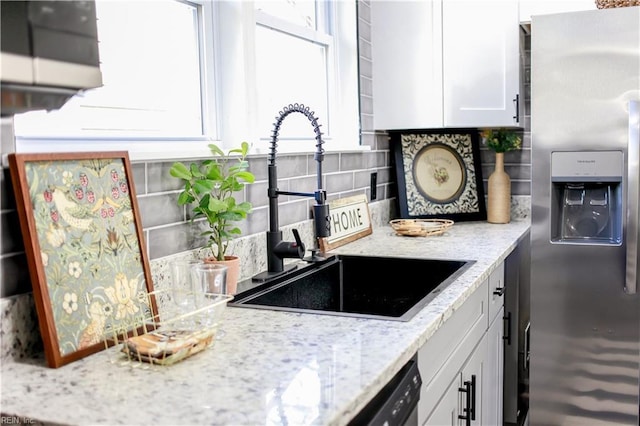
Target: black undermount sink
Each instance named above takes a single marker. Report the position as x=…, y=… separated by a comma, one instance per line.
x=390, y=288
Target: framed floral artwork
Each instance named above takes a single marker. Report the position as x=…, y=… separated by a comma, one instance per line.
x=84, y=247
x=438, y=174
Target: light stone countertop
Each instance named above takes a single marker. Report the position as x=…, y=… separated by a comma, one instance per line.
x=270, y=368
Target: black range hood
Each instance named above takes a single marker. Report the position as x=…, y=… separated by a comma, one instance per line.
x=48, y=53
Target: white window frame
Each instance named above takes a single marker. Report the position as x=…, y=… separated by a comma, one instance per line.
x=227, y=31
x=237, y=88
x=317, y=37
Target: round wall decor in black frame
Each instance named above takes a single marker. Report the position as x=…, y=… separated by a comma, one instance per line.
x=438, y=174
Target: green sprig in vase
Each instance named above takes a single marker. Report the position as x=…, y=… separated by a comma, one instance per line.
x=499, y=184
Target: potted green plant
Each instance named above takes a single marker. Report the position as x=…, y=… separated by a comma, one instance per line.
x=209, y=188
x=499, y=184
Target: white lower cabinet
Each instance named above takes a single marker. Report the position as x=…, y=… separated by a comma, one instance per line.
x=474, y=386
x=462, y=366
x=462, y=402
x=446, y=411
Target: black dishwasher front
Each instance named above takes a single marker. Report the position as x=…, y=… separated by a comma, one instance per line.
x=397, y=402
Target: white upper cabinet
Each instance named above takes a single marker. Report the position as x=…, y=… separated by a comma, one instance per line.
x=481, y=63
x=406, y=42
x=445, y=63
x=529, y=8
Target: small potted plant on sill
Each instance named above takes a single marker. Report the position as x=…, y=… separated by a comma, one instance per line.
x=209, y=189
x=499, y=185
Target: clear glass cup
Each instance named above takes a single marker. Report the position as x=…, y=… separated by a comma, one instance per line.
x=210, y=284
x=183, y=284
x=210, y=278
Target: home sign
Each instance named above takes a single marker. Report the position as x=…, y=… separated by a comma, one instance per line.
x=350, y=220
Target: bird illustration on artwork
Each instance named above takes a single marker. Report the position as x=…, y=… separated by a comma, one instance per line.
x=105, y=203
x=76, y=215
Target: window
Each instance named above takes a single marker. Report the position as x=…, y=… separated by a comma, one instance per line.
x=194, y=71
x=287, y=30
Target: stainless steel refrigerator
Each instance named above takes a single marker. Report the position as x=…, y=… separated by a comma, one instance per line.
x=585, y=126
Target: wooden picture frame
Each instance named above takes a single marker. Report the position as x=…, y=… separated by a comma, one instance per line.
x=438, y=174
x=84, y=246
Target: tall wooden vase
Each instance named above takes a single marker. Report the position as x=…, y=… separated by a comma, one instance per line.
x=499, y=197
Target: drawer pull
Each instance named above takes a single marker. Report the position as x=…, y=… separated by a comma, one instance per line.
x=499, y=291
x=473, y=397
x=467, y=409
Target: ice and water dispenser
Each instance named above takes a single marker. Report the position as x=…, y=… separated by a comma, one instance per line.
x=586, y=200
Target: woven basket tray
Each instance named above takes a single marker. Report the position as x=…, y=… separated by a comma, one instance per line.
x=420, y=227
x=608, y=4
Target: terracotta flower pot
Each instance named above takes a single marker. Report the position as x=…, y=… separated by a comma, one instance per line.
x=233, y=271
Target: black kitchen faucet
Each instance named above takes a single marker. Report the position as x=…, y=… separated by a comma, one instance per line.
x=278, y=250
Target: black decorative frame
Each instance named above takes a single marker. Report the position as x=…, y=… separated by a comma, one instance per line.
x=438, y=174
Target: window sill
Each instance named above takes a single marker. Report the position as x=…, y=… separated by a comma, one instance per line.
x=164, y=149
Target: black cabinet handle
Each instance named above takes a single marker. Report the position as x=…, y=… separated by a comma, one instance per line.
x=473, y=397
x=499, y=291
x=467, y=409
x=516, y=117
x=507, y=328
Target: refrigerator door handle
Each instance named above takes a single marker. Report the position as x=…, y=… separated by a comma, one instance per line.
x=633, y=193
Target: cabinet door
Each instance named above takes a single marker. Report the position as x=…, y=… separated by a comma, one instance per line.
x=463, y=403
x=446, y=411
x=443, y=356
x=481, y=63
x=406, y=48
x=493, y=383
x=474, y=371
